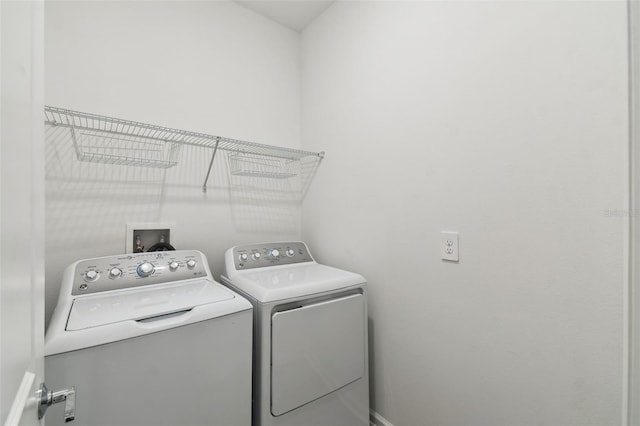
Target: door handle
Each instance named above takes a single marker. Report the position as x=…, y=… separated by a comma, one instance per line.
x=48, y=398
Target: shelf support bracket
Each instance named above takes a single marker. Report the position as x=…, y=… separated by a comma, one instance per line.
x=213, y=156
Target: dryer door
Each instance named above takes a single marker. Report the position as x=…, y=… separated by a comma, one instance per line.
x=315, y=350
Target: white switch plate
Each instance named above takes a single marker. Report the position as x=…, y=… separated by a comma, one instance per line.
x=449, y=248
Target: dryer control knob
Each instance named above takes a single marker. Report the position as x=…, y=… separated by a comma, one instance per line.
x=243, y=257
x=145, y=269
x=290, y=252
x=173, y=265
x=115, y=273
x=191, y=263
x=274, y=253
x=256, y=256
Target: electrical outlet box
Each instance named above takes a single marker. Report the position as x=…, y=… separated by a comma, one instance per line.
x=142, y=236
x=449, y=246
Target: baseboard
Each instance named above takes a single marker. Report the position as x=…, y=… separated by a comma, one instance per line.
x=376, y=419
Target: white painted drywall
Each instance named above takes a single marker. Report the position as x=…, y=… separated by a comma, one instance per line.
x=634, y=314
x=210, y=67
x=505, y=122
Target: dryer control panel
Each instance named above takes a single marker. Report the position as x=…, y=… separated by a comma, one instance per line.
x=270, y=254
x=136, y=270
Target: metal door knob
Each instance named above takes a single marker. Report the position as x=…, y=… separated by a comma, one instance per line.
x=48, y=398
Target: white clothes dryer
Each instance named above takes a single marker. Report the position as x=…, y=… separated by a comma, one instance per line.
x=310, y=336
x=150, y=339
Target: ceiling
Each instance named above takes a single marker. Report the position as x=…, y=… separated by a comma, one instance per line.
x=294, y=14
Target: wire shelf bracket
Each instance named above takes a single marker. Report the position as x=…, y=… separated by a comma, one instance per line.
x=213, y=157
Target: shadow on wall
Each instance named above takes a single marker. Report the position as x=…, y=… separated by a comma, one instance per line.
x=261, y=204
x=266, y=191
x=89, y=202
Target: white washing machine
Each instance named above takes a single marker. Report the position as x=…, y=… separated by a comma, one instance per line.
x=310, y=336
x=150, y=339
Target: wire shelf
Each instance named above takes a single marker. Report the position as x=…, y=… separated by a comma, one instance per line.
x=116, y=141
x=103, y=147
x=241, y=164
x=79, y=120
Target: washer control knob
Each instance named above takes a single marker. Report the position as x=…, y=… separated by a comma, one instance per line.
x=115, y=273
x=274, y=253
x=173, y=265
x=243, y=257
x=191, y=263
x=290, y=252
x=145, y=269
x=91, y=275
x=256, y=256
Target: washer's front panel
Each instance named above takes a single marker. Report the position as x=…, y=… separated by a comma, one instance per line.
x=315, y=350
x=198, y=374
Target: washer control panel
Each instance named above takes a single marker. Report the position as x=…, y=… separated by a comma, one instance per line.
x=136, y=270
x=270, y=254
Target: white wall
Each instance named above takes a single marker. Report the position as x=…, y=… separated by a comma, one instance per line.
x=506, y=122
x=210, y=67
x=634, y=353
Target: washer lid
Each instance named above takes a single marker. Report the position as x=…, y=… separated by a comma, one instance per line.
x=138, y=304
x=289, y=281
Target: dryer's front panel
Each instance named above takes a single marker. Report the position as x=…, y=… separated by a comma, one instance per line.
x=315, y=350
